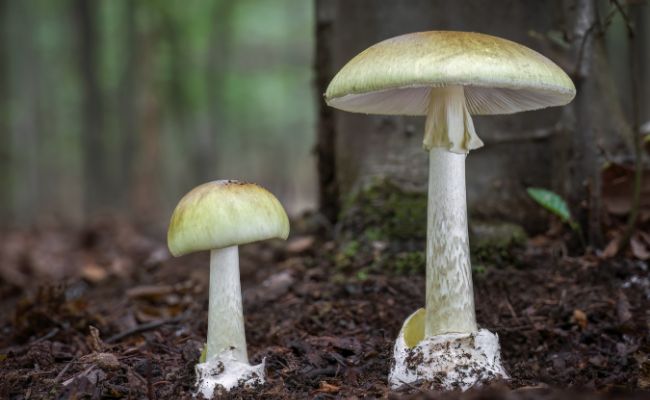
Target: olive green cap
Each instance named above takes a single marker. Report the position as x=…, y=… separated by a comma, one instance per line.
x=395, y=77
x=225, y=213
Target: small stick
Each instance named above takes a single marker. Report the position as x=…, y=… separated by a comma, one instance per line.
x=146, y=327
x=63, y=371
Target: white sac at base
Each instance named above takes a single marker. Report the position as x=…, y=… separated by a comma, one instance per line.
x=450, y=361
x=223, y=373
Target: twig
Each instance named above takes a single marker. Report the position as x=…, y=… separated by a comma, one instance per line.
x=636, y=134
x=146, y=327
x=49, y=335
x=63, y=371
x=20, y=349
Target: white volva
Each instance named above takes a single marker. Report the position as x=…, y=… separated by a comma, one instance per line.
x=226, y=363
x=453, y=360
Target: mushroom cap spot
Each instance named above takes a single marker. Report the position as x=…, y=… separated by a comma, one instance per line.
x=394, y=77
x=225, y=213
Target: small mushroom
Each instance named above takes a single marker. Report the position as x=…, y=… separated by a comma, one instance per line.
x=219, y=216
x=447, y=77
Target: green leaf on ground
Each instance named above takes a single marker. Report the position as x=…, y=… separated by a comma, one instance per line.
x=552, y=202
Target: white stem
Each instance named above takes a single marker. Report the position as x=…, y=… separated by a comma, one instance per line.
x=449, y=135
x=226, y=316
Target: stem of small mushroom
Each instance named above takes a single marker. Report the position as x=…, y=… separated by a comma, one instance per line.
x=449, y=135
x=225, y=315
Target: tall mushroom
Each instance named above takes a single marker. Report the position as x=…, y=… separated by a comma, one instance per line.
x=448, y=76
x=219, y=216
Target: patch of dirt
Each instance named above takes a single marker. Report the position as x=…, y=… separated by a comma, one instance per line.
x=125, y=320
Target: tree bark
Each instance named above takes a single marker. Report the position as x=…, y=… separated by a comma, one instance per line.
x=328, y=194
x=97, y=191
x=641, y=13
x=128, y=105
x=596, y=121
x=5, y=131
x=369, y=146
x=218, y=56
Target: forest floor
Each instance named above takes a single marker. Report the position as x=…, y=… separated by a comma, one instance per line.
x=325, y=332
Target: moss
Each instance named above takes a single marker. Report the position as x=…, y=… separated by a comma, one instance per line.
x=409, y=263
x=383, y=211
x=347, y=253
x=383, y=229
x=495, y=242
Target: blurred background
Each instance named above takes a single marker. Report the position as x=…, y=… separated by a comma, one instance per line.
x=123, y=106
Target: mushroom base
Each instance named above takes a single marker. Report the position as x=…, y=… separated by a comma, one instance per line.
x=224, y=372
x=448, y=361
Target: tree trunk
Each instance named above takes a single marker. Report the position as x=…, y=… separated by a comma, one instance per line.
x=641, y=13
x=5, y=131
x=328, y=194
x=128, y=105
x=96, y=178
x=355, y=149
x=147, y=179
x=26, y=128
x=596, y=121
x=218, y=56
x=540, y=148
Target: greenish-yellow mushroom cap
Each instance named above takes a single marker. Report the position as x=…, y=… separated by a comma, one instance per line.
x=225, y=213
x=395, y=77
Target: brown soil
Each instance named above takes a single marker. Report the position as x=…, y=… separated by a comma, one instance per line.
x=577, y=323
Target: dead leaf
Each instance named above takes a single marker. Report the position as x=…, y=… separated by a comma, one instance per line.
x=300, y=244
x=150, y=292
x=271, y=289
x=94, y=341
x=580, y=318
x=86, y=381
x=328, y=388
x=93, y=273
x=611, y=249
x=639, y=249
x=623, y=308
x=618, y=187
x=105, y=361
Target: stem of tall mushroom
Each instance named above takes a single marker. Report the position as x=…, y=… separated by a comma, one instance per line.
x=225, y=315
x=449, y=135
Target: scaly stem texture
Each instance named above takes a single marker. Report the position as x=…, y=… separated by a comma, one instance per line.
x=226, y=316
x=450, y=295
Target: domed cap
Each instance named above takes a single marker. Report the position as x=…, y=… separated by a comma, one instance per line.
x=225, y=213
x=395, y=77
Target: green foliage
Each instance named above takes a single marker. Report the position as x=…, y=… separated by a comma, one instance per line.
x=347, y=253
x=554, y=203
x=478, y=269
x=409, y=263
x=362, y=275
